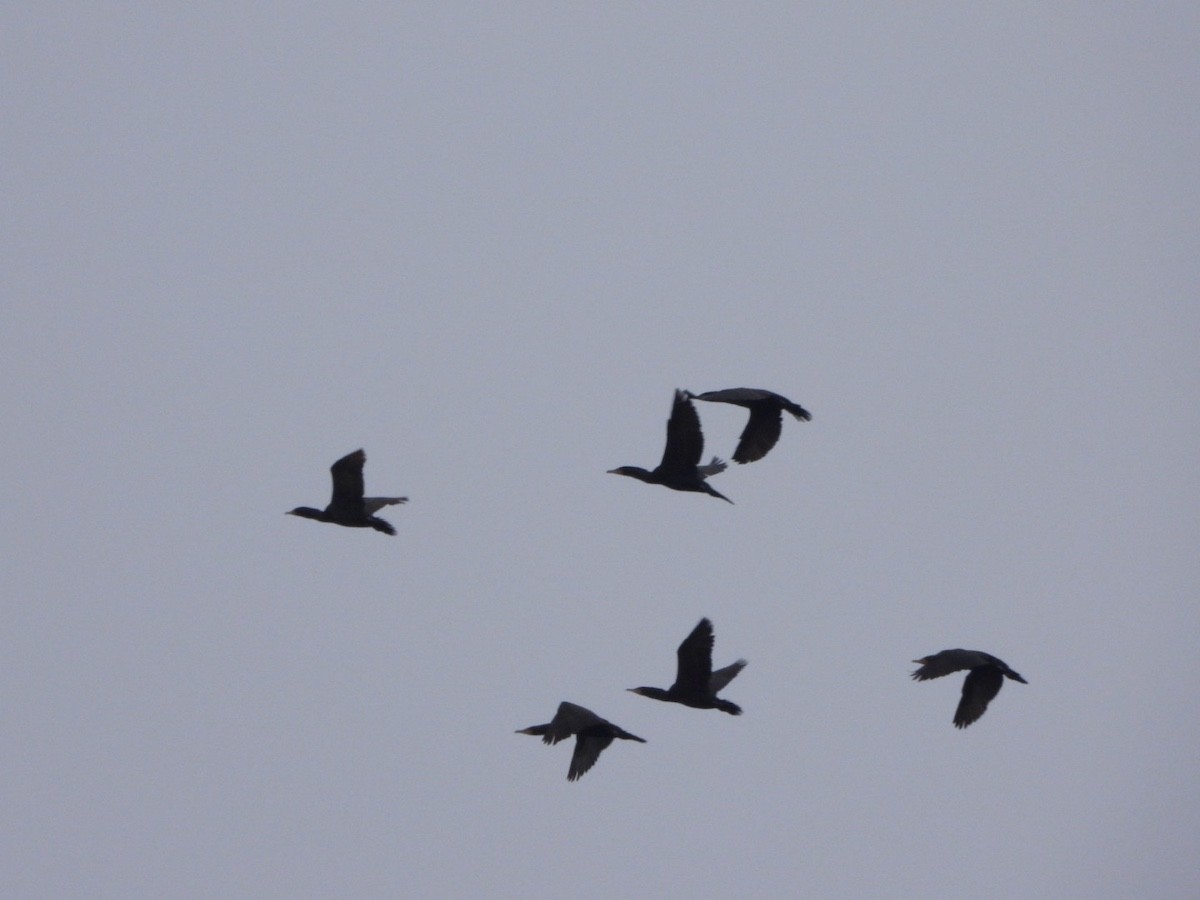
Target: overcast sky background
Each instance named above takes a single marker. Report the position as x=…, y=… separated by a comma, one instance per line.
x=486, y=243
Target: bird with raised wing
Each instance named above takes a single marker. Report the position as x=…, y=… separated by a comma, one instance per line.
x=696, y=684
x=348, y=506
x=680, y=469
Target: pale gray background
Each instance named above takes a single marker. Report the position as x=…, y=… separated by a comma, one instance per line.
x=486, y=243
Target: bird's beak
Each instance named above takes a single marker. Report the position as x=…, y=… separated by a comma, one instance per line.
x=921, y=662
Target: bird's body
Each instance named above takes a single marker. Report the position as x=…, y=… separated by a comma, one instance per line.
x=348, y=506
x=985, y=676
x=680, y=468
x=696, y=684
x=766, y=418
x=592, y=735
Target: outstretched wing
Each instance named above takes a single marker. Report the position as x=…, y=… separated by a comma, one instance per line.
x=716, y=467
x=695, y=659
x=348, y=479
x=568, y=720
x=685, y=440
x=588, y=746
x=945, y=663
x=722, y=677
x=979, y=689
x=761, y=432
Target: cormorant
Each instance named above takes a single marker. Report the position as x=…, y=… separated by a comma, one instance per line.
x=348, y=506
x=980, y=687
x=592, y=735
x=696, y=684
x=766, y=418
x=680, y=468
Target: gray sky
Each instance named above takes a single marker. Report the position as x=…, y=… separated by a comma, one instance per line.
x=486, y=245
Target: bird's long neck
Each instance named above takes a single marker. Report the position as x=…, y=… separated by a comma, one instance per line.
x=635, y=472
x=654, y=693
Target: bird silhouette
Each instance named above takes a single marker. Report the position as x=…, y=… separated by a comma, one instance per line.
x=696, y=684
x=680, y=468
x=592, y=735
x=766, y=418
x=348, y=506
x=985, y=676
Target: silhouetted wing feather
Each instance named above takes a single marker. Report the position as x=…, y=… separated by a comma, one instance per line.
x=685, y=440
x=372, y=505
x=944, y=664
x=979, y=689
x=760, y=434
x=695, y=659
x=588, y=747
x=570, y=719
x=722, y=677
x=348, y=479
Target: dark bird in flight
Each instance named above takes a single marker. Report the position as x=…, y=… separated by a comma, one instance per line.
x=680, y=468
x=984, y=677
x=592, y=735
x=696, y=684
x=348, y=506
x=766, y=418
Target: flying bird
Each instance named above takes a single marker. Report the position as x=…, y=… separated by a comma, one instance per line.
x=984, y=678
x=348, y=506
x=592, y=735
x=680, y=468
x=766, y=418
x=696, y=684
